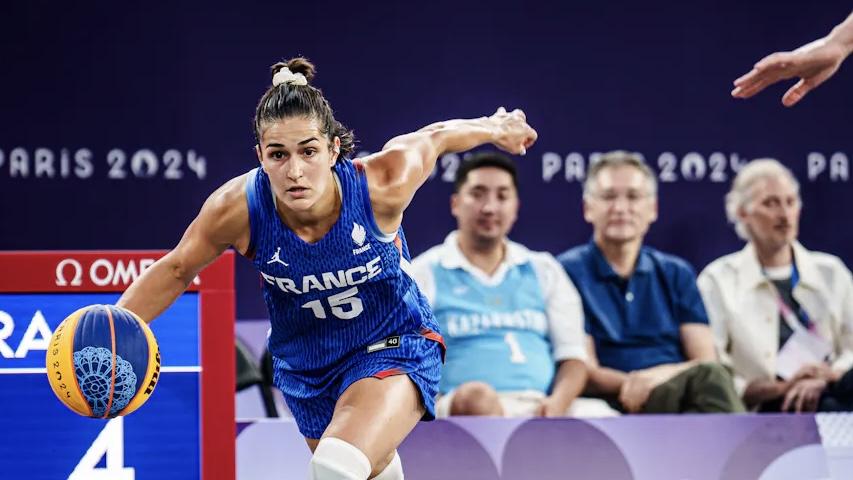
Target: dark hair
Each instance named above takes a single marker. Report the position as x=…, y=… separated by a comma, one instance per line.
x=289, y=100
x=485, y=159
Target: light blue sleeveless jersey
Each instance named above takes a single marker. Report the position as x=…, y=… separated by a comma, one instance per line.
x=330, y=300
x=495, y=334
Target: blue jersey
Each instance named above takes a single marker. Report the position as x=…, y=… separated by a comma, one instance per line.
x=508, y=328
x=495, y=334
x=332, y=299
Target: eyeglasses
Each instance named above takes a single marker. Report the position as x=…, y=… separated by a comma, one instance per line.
x=632, y=197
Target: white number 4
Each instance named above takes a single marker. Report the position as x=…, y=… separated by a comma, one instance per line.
x=110, y=442
x=337, y=302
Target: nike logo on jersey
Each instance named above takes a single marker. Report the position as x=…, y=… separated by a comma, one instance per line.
x=276, y=258
x=327, y=280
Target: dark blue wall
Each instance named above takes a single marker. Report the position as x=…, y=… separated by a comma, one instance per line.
x=652, y=76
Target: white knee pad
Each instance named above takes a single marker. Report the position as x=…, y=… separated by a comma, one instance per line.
x=394, y=470
x=335, y=459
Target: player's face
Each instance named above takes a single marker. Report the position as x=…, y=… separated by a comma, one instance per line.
x=486, y=205
x=298, y=159
x=620, y=206
x=772, y=215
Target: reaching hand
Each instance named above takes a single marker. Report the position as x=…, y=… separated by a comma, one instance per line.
x=813, y=63
x=515, y=135
x=804, y=395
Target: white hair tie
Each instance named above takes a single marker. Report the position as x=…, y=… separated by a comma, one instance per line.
x=286, y=76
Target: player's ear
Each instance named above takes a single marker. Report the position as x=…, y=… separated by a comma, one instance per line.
x=454, y=203
x=336, y=149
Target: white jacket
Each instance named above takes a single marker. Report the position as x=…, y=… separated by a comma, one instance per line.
x=744, y=313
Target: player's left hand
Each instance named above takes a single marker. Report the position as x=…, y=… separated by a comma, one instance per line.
x=514, y=134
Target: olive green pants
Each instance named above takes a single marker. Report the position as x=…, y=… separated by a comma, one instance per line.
x=704, y=388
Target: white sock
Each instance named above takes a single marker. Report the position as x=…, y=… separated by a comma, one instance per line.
x=335, y=459
x=394, y=470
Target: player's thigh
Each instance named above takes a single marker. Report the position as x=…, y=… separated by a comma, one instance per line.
x=376, y=415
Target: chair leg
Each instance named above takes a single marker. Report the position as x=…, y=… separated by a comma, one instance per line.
x=269, y=401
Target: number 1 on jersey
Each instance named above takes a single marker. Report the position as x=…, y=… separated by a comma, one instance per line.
x=336, y=303
x=515, y=353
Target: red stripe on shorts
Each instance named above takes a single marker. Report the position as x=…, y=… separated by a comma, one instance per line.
x=388, y=373
x=430, y=334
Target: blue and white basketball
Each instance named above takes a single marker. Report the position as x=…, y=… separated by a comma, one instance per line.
x=103, y=361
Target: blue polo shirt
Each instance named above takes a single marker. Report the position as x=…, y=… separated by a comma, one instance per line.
x=635, y=322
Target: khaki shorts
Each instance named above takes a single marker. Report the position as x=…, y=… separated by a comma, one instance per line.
x=526, y=404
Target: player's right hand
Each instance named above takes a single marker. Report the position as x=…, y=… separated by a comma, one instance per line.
x=514, y=134
x=813, y=63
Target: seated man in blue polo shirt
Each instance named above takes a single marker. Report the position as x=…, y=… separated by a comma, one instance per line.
x=651, y=347
x=512, y=320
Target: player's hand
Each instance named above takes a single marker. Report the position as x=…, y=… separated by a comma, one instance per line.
x=514, y=134
x=813, y=63
x=804, y=395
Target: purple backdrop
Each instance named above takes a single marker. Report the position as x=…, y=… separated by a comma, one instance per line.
x=730, y=447
x=120, y=119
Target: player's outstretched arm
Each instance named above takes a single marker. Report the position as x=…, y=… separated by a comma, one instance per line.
x=406, y=161
x=223, y=221
x=813, y=64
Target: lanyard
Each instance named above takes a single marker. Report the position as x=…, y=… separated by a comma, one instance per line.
x=793, y=320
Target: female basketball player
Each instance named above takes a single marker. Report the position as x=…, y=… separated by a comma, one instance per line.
x=356, y=351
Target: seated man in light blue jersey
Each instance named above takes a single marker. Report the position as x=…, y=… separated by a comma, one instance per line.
x=511, y=318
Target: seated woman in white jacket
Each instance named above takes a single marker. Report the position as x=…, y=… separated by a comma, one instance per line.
x=782, y=315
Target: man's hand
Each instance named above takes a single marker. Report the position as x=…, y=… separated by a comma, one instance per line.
x=636, y=390
x=640, y=383
x=820, y=371
x=804, y=395
x=550, y=408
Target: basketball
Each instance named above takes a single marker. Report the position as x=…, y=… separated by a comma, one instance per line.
x=103, y=361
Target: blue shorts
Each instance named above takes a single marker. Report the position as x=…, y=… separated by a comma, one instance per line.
x=312, y=398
